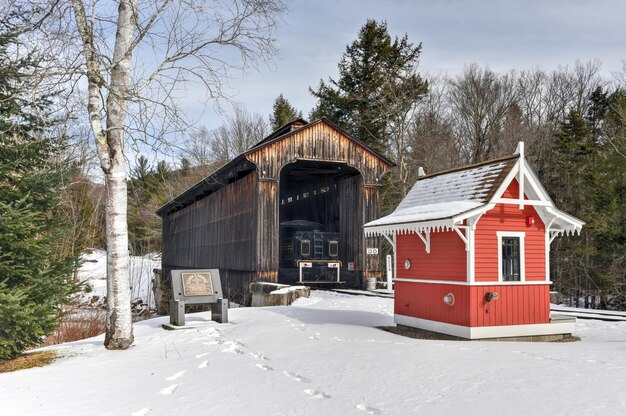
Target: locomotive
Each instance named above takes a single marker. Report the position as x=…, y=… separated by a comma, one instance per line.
x=304, y=241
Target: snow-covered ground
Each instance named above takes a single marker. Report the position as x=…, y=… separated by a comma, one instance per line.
x=93, y=272
x=323, y=356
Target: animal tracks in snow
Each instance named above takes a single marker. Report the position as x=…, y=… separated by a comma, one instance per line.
x=369, y=409
x=141, y=412
x=296, y=377
x=317, y=394
x=204, y=364
x=264, y=367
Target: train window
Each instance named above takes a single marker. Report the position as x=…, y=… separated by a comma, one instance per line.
x=333, y=248
x=305, y=248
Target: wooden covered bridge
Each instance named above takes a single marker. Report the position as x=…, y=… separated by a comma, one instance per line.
x=301, y=194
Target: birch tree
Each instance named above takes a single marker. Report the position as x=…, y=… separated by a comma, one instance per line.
x=138, y=59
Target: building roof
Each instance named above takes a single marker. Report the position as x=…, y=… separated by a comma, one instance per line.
x=445, y=199
x=450, y=193
x=240, y=165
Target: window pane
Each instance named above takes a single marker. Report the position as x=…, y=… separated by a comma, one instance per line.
x=511, y=259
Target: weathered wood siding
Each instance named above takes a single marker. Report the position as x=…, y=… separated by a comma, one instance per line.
x=371, y=211
x=267, y=233
x=317, y=141
x=350, y=220
x=218, y=231
x=359, y=197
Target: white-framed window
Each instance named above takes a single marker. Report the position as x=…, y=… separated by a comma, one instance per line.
x=511, y=261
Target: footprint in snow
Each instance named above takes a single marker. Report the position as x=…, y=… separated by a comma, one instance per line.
x=264, y=367
x=369, y=409
x=317, y=394
x=259, y=356
x=175, y=376
x=169, y=390
x=204, y=354
x=233, y=349
x=316, y=336
x=142, y=412
x=296, y=377
x=204, y=364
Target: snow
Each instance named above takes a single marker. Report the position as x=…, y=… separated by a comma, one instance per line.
x=426, y=212
x=322, y=356
x=93, y=272
x=285, y=290
x=473, y=184
x=446, y=195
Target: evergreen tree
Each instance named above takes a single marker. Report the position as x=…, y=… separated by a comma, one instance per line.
x=589, y=181
x=378, y=80
x=282, y=112
x=35, y=275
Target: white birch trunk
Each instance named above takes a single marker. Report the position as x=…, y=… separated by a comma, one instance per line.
x=119, y=334
x=110, y=148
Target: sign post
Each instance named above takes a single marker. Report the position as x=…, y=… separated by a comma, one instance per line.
x=389, y=272
x=197, y=287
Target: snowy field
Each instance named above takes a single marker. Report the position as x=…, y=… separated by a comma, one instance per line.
x=93, y=272
x=323, y=356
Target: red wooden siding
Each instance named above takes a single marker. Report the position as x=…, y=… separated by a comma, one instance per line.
x=517, y=304
x=447, y=259
x=508, y=217
x=425, y=301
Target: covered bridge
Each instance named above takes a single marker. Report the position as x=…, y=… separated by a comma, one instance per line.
x=302, y=193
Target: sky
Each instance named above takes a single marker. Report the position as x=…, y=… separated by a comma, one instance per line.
x=501, y=35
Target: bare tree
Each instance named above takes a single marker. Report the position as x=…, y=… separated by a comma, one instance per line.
x=138, y=59
x=480, y=101
x=237, y=134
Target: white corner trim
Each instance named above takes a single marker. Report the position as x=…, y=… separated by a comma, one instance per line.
x=522, y=250
x=485, y=332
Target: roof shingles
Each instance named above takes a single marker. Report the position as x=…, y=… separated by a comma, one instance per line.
x=449, y=193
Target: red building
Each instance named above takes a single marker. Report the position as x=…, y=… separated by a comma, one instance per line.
x=471, y=248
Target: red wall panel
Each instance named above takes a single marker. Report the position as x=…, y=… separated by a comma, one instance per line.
x=517, y=304
x=508, y=217
x=425, y=301
x=447, y=259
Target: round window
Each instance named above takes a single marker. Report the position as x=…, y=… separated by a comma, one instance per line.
x=407, y=264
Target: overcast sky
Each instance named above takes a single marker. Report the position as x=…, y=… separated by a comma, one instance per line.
x=499, y=34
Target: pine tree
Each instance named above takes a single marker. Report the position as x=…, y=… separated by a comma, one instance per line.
x=378, y=80
x=282, y=112
x=35, y=275
x=589, y=180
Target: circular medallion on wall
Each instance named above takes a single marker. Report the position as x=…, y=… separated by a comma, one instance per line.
x=407, y=264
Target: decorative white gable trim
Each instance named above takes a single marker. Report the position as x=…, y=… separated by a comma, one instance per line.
x=529, y=185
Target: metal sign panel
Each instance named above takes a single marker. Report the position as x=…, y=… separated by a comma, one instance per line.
x=197, y=286
x=372, y=250
x=306, y=264
x=197, y=283
x=333, y=265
